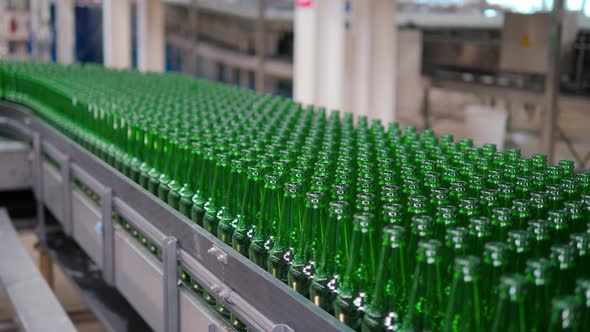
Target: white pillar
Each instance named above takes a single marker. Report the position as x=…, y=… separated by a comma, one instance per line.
x=375, y=54
x=330, y=54
x=150, y=35
x=66, y=30
x=40, y=30
x=361, y=30
x=304, y=57
x=116, y=24
x=261, y=46
x=383, y=59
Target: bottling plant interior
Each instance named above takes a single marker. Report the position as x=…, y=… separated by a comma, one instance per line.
x=294, y=165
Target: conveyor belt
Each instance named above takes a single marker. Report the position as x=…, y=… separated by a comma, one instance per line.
x=149, y=282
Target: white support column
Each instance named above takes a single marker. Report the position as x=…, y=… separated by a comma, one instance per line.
x=361, y=30
x=261, y=46
x=150, y=35
x=304, y=57
x=66, y=31
x=116, y=24
x=374, y=58
x=383, y=59
x=40, y=30
x=330, y=54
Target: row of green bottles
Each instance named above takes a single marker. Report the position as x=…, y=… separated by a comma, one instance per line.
x=382, y=227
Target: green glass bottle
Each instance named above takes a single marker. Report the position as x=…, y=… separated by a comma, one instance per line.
x=524, y=187
x=333, y=256
x=496, y=261
x=502, y=223
x=521, y=213
x=291, y=212
x=390, y=292
x=571, y=191
x=511, y=308
x=214, y=204
x=149, y=131
x=366, y=202
x=540, y=231
x=446, y=217
x=438, y=197
x=583, y=294
x=584, y=178
x=464, y=306
x=575, y=215
x=539, y=161
x=227, y=213
x=506, y=194
x=520, y=243
x=480, y=232
x=567, y=168
x=180, y=155
x=489, y=200
x=360, y=271
x=539, y=204
x=566, y=314
x=421, y=228
x=393, y=214
x=539, y=273
x=458, y=191
x=250, y=203
x=427, y=293
x=468, y=209
x=562, y=258
x=540, y=180
x=555, y=197
x=560, y=227
x=270, y=211
x=301, y=270
x=186, y=193
x=554, y=174
x=456, y=244
x=581, y=244
x=205, y=175
x=169, y=154
x=417, y=206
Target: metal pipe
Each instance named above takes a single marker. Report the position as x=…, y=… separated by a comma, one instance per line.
x=552, y=81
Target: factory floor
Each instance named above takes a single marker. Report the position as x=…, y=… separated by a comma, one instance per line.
x=65, y=292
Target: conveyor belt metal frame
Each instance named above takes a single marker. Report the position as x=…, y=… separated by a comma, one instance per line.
x=259, y=300
x=35, y=306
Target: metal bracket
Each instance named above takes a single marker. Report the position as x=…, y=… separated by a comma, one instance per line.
x=39, y=176
x=67, y=192
x=236, y=304
x=218, y=253
x=171, y=294
x=108, y=233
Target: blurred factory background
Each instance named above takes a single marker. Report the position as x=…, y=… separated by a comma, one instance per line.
x=490, y=64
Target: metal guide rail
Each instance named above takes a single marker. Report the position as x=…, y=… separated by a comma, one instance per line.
x=141, y=244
